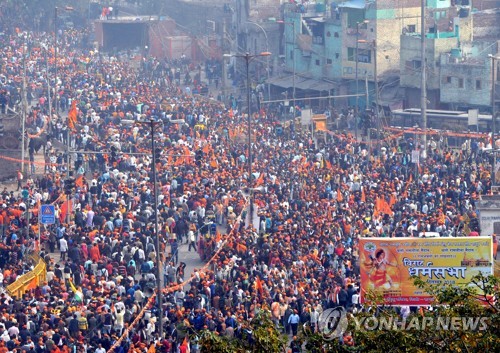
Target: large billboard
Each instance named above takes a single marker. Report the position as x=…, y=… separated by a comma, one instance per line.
x=387, y=265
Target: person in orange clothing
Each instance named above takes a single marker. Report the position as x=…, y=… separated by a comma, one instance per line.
x=95, y=254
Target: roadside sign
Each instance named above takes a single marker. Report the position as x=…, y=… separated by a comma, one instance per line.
x=47, y=214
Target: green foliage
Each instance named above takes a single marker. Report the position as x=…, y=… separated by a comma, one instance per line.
x=450, y=301
x=265, y=338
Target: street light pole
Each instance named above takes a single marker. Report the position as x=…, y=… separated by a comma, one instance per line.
x=55, y=62
x=357, y=79
x=294, y=35
x=267, y=58
x=357, y=84
x=249, y=122
x=493, y=103
x=25, y=111
x=248, y=58
x=493, y=118
x=423, y=88
x=152, y=124
x=293, y=62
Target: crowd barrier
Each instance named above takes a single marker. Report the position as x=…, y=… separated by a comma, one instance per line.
x=29, y=280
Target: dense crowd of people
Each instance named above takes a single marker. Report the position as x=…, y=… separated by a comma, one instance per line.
x=296, y=256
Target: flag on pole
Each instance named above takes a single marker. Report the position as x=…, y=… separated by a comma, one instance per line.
x=72, y=116
x=79, y=181
x=340, y=198
x=260, y=180
x=258, y=285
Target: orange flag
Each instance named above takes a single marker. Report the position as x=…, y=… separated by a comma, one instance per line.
x=65, y=209
x=258, y=285
x=79, y=181
x=340, y=198
x=231, y=113
x=328, y=164
x=363, y=196
x=260, y=180
x=72, y=116
x=392, y=201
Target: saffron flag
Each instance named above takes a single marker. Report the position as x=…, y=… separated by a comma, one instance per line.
x=152, y=348
x=260, y=180
x=65, y=208
x=72, y=116
x=340, y=198
x=363, y=196
x=79, y=181
x=258, y=285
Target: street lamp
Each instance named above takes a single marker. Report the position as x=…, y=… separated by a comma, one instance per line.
x=56, y=101
x=56, y=9
x=267, y=58
x=152, y=124
x=357, y=80
x=294, y=61
x=375, y=80
x=493, y=93
x=493, y=115
x=248, y=58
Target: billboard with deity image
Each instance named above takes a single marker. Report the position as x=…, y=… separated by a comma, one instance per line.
x=387, y=265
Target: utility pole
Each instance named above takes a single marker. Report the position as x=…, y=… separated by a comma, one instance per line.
x=159, y=295
x=493, y=119
x=55, y=63
x=294, y=69
x=423, y=85
x=493, y=103
x=356, y=78
x=375, y=79
x=223, y=68
x=25, y=111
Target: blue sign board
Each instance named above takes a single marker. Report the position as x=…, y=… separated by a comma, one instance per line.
x=213, y=229
x=47, y=214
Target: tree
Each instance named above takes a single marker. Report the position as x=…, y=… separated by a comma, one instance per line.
x=258, y=335
x=461, y=303
x=410, y=336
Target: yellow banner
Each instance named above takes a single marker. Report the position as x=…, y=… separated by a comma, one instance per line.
x=387, y=265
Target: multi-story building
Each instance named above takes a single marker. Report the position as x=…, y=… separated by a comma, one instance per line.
x=345, y=44
x=465, y=76
x=446, y=26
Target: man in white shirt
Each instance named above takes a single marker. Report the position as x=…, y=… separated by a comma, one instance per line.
x=355, y=300
x=63, y=246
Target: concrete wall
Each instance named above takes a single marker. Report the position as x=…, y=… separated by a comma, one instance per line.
x=410, y=52
x=467, y=74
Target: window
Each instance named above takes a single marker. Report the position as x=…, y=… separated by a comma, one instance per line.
x=348, y=70
x=411, y=28
x=460, y=83
x=318, y=62
x=416, y=64
x=336, y=34
x=337, y=55
x=291, y=54
x=328, y=34
x=478, y=84
x=328, y=61
x=351, y=52
x=448, y=79
x=364, y=56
